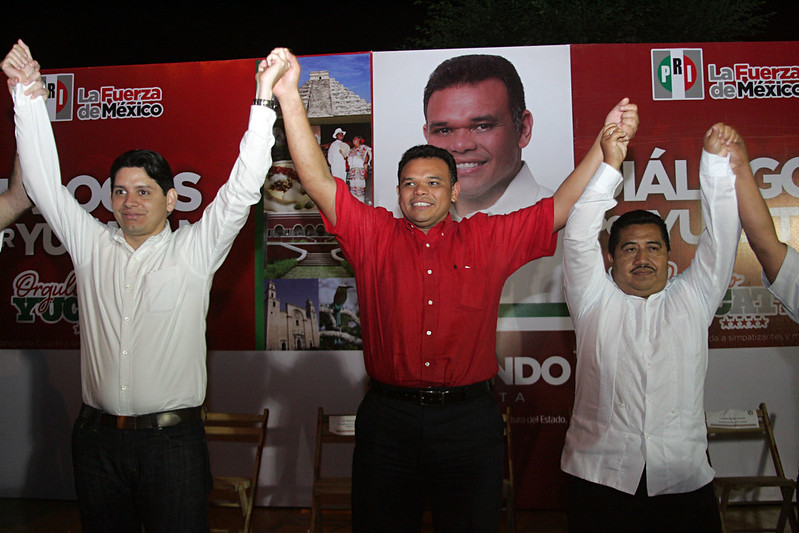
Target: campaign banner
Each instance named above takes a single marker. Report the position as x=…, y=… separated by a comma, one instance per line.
x=285, y=287
x=681, y=91
x=194, y=114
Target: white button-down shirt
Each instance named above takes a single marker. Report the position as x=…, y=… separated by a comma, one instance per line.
x=142, y=312
x=786, y=284
x=641, y=362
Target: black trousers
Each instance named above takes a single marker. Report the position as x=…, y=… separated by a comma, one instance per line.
x=158, y=479
x=408, y=455
x=597, y=509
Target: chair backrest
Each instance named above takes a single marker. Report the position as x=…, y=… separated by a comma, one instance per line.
x=762, y=431
x=331, y=429
x=249, y=430
x=331, y=491
x=753, y=425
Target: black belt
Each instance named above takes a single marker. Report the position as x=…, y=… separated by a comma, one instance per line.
x=431, y=395
x=150, y=421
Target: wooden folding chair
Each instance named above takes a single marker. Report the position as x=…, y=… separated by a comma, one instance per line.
x=726, y=485
x=330, y=492
x=508, y=487
x=246, y=433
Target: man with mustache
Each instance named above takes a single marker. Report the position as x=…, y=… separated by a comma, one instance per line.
x=635, y=448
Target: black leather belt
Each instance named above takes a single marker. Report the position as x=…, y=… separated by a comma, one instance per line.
x=150, y=421
x=431, y=395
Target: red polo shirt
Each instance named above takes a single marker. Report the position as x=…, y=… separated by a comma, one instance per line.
x=429, y=302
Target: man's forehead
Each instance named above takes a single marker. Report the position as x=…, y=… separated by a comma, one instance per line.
x=641, y=232
x=489, y=93
x=425, y=168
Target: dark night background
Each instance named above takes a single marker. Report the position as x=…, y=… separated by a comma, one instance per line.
x=78, y=34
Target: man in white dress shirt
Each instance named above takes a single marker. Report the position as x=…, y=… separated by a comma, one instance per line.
x=635, y=448
x=139, y=451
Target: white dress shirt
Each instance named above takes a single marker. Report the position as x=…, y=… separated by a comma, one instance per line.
x=142, y=312
x=641, y=362
x=786, y=284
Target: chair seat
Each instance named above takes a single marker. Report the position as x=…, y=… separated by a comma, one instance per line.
x=754, y=481
x=241, y=433
x=333, y=485
x=726, y=485
x=231, y=483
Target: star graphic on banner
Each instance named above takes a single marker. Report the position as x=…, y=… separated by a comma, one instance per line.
x=744, y=322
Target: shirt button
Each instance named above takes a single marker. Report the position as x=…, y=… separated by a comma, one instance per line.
x=129, y=287
x=127, y=319
x=429, y=332
x=427, y=244
x=124, y=387
x=427, y=363
x=429, y=271
x=124, y=353
x=429, y=302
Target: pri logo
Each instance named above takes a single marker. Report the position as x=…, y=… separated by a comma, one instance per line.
x=59, y=102
x=677, y=74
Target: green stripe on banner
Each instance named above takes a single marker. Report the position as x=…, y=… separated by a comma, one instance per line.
x=533, y=310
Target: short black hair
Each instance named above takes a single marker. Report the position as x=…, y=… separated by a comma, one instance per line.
x=151, y=162
x=428, y=151
x=630, y=218
x=474, y=68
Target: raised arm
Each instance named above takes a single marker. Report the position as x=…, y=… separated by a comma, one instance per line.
x=305, y=152
x=714, y=258
x=20, y=67
x=753, y=211
x=583, y=264
x=14, y=201
x=625, y=116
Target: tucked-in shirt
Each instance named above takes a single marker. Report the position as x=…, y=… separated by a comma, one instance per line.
x=786, y=284
x=142, y=312
x=429, y=302
x=641, y=362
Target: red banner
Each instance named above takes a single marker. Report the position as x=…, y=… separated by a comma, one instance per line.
x=194, y=114
x=681, y=91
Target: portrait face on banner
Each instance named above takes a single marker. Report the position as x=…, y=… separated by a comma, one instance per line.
x=399, y=80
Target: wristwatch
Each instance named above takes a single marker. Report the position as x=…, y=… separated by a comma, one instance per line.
x=271, y=103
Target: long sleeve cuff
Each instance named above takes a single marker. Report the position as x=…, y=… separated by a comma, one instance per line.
x=605, y=180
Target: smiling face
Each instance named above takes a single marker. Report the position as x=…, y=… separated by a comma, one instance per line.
x=640, y=262
x=425, y=192
x=474, y=123
x=140, y=205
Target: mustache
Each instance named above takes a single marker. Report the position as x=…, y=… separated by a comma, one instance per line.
x=641, y=267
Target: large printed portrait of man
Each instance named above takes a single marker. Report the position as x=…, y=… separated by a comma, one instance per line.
x=505, y=114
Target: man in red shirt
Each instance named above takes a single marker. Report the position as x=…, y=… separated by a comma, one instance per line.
x=429, y=428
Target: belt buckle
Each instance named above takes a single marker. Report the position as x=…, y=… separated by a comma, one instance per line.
x=432, y=397
x=122, y=422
